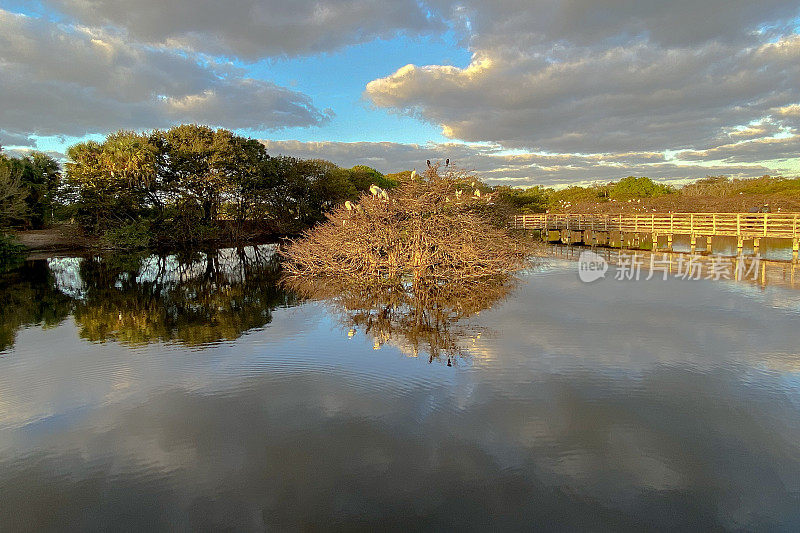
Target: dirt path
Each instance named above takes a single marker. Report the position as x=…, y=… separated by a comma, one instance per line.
x=57, y=238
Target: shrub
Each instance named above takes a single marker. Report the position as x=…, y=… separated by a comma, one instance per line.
x=432, y=229
x=11, y=252
x=132, y=236
x=633, y=187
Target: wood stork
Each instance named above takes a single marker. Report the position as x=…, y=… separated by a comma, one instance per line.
x=428, y=161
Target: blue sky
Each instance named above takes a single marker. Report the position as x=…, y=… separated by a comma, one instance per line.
x=339, y=82
x=553, y=92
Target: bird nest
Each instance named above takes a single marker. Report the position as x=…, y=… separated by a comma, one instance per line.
x=430, y=229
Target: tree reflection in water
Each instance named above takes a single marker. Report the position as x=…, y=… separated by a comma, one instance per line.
x=29, y=297
x=416, y=317
x=190, y=298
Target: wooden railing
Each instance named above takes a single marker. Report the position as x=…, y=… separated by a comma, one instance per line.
x=779, y=225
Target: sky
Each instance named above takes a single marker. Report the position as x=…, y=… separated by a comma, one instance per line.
x=524, y=92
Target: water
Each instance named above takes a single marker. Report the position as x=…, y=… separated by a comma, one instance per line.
x=191, y=392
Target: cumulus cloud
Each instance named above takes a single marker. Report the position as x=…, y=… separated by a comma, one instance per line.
x=678, y=23
x=66, y=80
x=595, y=77
x=770, y=148
x=255, y=29
x=498, y=166
x=14, y=139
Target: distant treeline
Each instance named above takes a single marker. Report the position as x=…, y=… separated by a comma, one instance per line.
x=707, y=194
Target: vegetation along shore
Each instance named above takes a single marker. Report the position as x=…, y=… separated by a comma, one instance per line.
x=193, y=184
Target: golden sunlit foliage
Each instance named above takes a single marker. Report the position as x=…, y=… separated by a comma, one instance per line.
x=433, y=228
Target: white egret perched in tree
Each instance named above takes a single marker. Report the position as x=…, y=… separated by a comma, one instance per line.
x=348, y=205
x=414, y=174
x=477, y=193
x=458, y=194
x=384, y=195
x=374, y=190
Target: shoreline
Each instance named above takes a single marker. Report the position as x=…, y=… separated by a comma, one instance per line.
x=69, y=239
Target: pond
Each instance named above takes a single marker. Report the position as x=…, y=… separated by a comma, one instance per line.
x=192, y=391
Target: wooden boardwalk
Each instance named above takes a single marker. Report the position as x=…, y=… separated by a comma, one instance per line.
x=635, y=230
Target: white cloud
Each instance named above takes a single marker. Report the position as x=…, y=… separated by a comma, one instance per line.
x=495, y=165
x=253, y=29
x=66, y=80
x=596, y=77
x=771, y=148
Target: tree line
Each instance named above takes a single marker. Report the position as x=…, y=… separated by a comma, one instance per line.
x=192, y=183
x=184, y=185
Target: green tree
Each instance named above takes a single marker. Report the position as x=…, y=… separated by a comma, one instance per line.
x=189, y=168
x=532, y=200
x=248, y=170
x=633, y=187
x=40, y=174
x=116, y=179
x=362, y=177
x=13, y=207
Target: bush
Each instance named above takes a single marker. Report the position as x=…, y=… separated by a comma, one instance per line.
x=633, y=187
x=132, y=236
x=11, y=252
x=432, y=229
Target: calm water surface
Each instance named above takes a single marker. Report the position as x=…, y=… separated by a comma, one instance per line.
x=191, y=392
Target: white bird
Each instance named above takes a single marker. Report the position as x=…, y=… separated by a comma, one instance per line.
x=414, y=174
x=384, y=195
x=349, y=205
x=458, y=194
x=477, y=193
x=374, y=189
